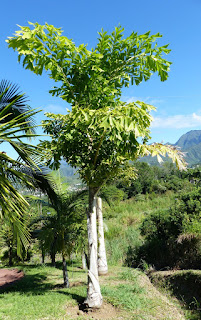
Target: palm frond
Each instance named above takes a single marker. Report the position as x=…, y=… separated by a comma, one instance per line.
x=10, y=94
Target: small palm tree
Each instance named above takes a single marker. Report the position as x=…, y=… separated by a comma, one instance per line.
x=61, y=231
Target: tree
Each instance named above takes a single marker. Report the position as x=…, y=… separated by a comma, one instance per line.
x=90, y=78
x=61, y=230
x=101, y=133
x=15, y=125
x=99, y=142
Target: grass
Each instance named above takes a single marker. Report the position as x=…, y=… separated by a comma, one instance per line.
x=123, y=222
x=39, y=295
x=185, y=285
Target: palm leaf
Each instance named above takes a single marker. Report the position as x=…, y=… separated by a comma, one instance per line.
x=10, y=94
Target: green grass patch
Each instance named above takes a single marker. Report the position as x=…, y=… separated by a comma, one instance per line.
x=39, y=294
x=185, y=285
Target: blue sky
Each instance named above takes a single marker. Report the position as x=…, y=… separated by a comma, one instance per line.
x=178, y=100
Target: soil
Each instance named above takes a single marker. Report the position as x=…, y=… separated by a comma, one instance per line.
x=9, y=276
x=107, y=312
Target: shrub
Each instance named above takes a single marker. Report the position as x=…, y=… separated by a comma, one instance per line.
x=112, y=194
x=172, y=236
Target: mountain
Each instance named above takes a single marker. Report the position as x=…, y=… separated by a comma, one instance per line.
x=190, y=143
x=189, y=139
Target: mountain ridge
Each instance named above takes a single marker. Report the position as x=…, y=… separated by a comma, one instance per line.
x=190, y=144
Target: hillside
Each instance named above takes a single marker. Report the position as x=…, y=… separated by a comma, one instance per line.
x=190, y=143
x=189, y=139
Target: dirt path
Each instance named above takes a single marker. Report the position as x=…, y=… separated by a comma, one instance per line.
x=9, y=276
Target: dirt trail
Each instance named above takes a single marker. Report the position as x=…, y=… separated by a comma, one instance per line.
x=9, y=276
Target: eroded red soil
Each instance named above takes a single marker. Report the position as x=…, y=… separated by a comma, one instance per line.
x=8, y=276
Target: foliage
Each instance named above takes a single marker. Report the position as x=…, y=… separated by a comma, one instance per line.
x=18, y=106
x=91, y=81
x=173, y=235
x=61, y=230
x=9, y=242
x=111, y=194
x=90, y=78
x=13, y=121
x=157, y=179
x=101, y=133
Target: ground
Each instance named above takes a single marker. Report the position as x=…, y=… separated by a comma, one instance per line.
x=9, y=276
x=39, y=295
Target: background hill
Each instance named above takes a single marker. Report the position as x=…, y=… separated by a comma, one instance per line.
x=190, y=143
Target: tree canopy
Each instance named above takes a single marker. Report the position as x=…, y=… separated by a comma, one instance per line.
x=90, y=78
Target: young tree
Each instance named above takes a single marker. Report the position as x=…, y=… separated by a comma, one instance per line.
x=60, y=230
x=99, y=142
x=101, y=133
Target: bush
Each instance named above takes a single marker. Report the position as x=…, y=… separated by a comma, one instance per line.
x=112, y=194
x=172, y=236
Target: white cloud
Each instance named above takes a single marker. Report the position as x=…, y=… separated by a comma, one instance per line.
x=177, y=121
x=53, y=108
x=150, y=100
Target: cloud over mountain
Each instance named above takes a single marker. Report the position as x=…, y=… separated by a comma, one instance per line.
x=177, y=121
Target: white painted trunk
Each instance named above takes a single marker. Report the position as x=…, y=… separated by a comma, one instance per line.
x=94, y=297
x=84, y=265
x=102, y=259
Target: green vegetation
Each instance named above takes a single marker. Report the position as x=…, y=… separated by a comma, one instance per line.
x=185, y=286
x=16, y=124
x=172, y=236
x=129, y=290
x=152, y=214
x=40, y=295
x=101, y=133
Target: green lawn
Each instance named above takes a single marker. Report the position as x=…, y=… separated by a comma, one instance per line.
x=127, y=293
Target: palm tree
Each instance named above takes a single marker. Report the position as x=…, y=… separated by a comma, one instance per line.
x=11, y=95
x=16, y=123
x=61, y=231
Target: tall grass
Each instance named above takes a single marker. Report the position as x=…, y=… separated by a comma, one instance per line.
x=123, y=220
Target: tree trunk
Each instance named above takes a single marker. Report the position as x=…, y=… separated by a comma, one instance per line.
x=102, y=260
x=65, y=272
x=10, y=255
x=53, y=260
x=53, y=251
x=43, y=254
x=84, y=264
x=94, y=297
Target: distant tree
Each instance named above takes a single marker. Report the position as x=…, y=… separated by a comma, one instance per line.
x=101, y=133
